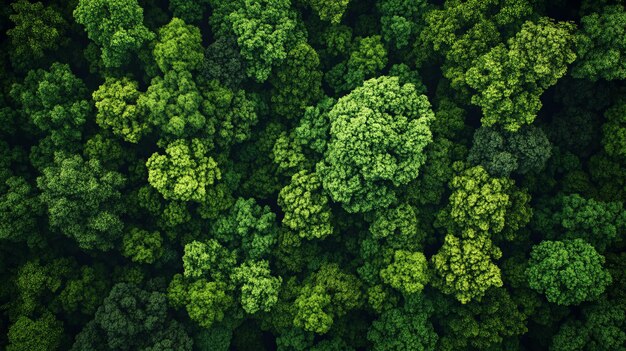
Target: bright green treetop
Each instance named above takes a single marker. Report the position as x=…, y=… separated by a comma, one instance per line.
x=116, y=102
x=408, y=272
x=464, y=267
x=378, y=134
x=307, y=210
x=179, y=47
x=184, y=173
x=510, y=79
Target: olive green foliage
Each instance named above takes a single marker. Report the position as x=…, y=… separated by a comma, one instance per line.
x=329, y=10
x=116, y=102
x=362, y=165
x=184, y=173
x=325, y=295
x=568, y=272
x=32, y=40
x=142, y=246
x=465, y=267
x=510, y=79
x=174, y=104
x=55, y=101
x=307, y=209
x=40, y=334
x=178, y=47
x=249, y=225
x=312, y=175
x=408, y=272
x=480, y=203
x=259, y=290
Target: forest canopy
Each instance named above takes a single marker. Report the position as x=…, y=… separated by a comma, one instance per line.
x=323, y=175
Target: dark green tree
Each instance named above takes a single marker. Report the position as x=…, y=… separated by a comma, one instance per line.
x=568, y=272
x=83, y=201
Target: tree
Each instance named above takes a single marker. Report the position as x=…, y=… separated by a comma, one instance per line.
x=265, y=30
x=400, y=20
x=367, y=58
x=406, y=328
x=116, y=102
x=330, y=11
x=41, y=334
x=142, y=246
x=461, y=32
x=38, y=31
x=179, y=47
x=259, y=289
x=204, y=289
x=575, y=217
x=408, y=272
x=480, y=325
x=84, y=290
x=173, y=104
x=568, y=272
x=189, y=11
x=326, y=294
x=378, y=133
x=464, y=267
x=19, y=210
x=480, y=204
x=248, y=227
x=185, y=173
x=131, y=318
x=600, y=328
x=223, y=62
x=115, y=26
x=298, y=82
x=307, y=209
x=83, y=201
x=231, y=114
x=56, y=101
x=510, y=79
x=502, y=153
x=614, y=129
x=600, y=45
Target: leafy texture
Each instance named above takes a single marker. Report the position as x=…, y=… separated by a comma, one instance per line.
x=378, y=133
x=568, y=272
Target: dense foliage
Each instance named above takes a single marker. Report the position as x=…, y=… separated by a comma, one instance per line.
x=324, y=175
